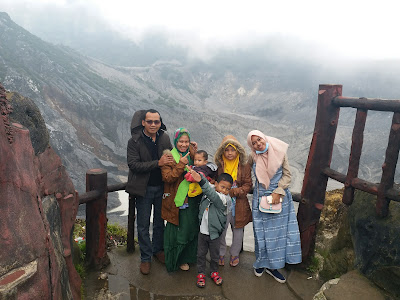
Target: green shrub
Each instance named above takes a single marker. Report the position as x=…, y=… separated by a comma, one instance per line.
x=80, y=268
x=314, y=265
x=117, y=231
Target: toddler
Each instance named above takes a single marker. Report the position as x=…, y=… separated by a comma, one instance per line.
x=202, y=166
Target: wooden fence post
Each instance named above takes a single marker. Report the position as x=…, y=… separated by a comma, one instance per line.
x=319, y=157
x=355, y=155
x=96, y=220
x=130, y=241
x=389, y=167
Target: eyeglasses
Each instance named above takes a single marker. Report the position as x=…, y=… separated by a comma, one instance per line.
x=155, y=122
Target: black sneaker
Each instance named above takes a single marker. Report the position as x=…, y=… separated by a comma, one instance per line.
x=278, y=276
x=258, y=272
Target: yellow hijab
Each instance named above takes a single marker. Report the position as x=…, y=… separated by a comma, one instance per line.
x=231, y=166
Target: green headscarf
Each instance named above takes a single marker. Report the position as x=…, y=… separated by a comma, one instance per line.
x=183, y=188
x=177, y=135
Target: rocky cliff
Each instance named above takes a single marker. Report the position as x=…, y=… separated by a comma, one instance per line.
x=355, y=238
x=87, y=104
x=38, y=206
x=376, y=242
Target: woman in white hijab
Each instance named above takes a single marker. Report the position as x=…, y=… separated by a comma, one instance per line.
x=276, y=235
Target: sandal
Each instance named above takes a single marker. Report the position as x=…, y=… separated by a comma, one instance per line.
x=217, y=279
x=184, y=267
x=221, y=261
x=234, y=261
x=201, y=280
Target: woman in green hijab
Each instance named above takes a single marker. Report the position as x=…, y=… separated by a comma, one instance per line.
x=180, y=212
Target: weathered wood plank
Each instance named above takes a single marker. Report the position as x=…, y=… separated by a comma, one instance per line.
x=389, y=167
x=130, y=241
x=96, y=220
x=362, y=185
x=355, y=155
x=368, y=104
x=319, y=157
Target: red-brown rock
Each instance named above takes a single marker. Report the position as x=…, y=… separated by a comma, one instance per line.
x=30, y=221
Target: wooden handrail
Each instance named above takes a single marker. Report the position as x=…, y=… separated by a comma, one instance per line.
x=116, y=187
x=363, y=185
x=89, y=196
x=93, y=195
x=367, y=103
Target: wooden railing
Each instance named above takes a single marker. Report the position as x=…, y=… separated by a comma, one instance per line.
x=95, y=199
x=318, y=168
x=316, y=175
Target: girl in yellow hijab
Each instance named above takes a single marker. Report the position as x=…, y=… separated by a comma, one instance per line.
x=231, y=158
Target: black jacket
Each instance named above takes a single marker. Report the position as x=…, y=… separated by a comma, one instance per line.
x=139, y=158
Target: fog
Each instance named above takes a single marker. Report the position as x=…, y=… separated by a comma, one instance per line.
x=342, y=31
x=280, y=69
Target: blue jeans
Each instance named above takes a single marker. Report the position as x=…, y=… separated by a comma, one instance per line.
x=144, y=204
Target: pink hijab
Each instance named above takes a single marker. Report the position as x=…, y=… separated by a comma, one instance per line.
x=268, y=162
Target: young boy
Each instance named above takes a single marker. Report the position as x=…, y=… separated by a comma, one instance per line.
x=212, y=216
x=202, y=166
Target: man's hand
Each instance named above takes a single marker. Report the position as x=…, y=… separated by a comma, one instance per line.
x=196, y=176
x=184, y=159
x=165, y=159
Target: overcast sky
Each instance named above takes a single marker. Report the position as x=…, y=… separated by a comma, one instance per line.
x=353, y=28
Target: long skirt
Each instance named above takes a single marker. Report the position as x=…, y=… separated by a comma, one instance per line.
x=276, y=236
x=180, y=242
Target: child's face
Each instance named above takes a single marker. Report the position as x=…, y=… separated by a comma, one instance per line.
x=223, y=187
x=199, y=160
x=230, y=153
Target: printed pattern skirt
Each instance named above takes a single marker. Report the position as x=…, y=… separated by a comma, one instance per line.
x=276, y=236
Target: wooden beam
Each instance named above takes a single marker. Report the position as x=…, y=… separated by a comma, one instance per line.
x=89, y=196
x=355, y=155
x=319, y=157
x=368, y=104
x=116, y=187
x=130, y=241
x=389, y=167
x=96, y=220
x=362, y=185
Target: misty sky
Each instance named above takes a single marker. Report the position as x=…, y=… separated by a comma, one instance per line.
x=352, y=28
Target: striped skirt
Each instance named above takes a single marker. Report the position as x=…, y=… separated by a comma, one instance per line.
x=276, y=236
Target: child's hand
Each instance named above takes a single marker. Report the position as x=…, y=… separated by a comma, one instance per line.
x=196, y=176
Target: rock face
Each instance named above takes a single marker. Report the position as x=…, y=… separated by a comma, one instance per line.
x=38, y=205
x=26, y=113
x=349, y=286
x=334, y=246
x=88, y=105
x=376, y=242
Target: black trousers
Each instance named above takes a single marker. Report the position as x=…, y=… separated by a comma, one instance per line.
x=204, y=244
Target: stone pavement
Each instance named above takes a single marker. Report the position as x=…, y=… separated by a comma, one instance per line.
x=126, y=282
